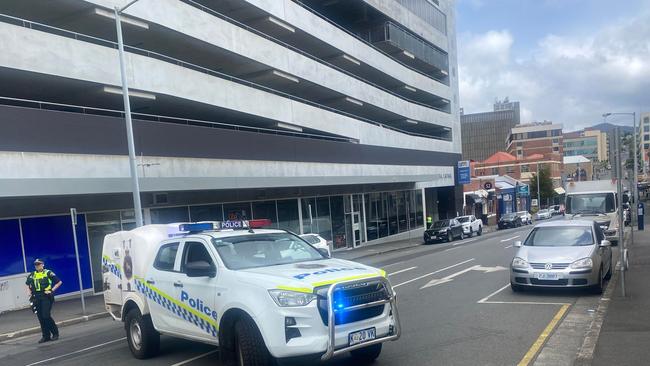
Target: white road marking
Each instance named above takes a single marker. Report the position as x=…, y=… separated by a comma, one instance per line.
x=401, y=270
x=435, y=282
x=75, y=352
x=514, y=237
x=446, y=250
x=432, y=273
x=485, y=300
x=196, y=358
x=509, y=246
x=463, y=242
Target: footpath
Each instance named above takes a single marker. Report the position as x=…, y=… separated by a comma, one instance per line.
x=18, y=323
x=625, y=333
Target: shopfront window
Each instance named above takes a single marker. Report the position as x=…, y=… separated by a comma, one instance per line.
x=169, y=214
x=288, y=218
x=206, y=213
x=419, y=211
x=338, y=222
x=393, y=225
x=308, y=207
x=99, y=225
x=237, y=211
x=402, y=211
x=265, y=210
x=323, y=220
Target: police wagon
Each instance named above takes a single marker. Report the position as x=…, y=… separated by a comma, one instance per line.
x=261, y=295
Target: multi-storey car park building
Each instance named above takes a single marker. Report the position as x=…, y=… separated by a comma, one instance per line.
x=334, y=117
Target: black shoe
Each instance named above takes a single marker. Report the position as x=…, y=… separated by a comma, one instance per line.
x=55, y=337
x=43, y=340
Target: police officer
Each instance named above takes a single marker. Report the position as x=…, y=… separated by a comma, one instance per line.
x=43, y=283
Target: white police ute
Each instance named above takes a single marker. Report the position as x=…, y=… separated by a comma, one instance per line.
x=261, y=295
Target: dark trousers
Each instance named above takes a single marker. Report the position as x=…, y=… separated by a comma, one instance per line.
x=43, y=308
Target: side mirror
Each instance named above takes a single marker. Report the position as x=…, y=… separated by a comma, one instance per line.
x=200, y=269
x=517, y=244
x=605, y=243
x=324, y=252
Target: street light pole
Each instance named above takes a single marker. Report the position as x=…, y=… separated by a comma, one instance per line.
x=135, y=184
x=539, y=198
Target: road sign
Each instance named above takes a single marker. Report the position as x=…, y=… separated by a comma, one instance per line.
x=487, y=186
x=464, y=176
x=523, y=190
x=533, y=202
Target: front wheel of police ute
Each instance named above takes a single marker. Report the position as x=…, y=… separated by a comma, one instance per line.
x=367, y=354
x=144, y=340
x=249, y=348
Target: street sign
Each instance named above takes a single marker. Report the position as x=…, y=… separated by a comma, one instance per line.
x=523, y=190
x=464, y=176
x=533, y=202
x=487, y=186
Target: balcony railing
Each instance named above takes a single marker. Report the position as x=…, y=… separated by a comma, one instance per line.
x=401, y=39
x=103, y=42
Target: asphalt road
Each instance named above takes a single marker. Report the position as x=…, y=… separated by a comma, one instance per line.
x=466, y=316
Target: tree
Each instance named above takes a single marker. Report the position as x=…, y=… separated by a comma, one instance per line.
x=546, y=190
x=628, y=147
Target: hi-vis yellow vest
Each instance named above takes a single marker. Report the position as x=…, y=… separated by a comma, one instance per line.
x=42, y=280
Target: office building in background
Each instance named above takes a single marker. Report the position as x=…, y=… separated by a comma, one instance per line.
x=483, y=134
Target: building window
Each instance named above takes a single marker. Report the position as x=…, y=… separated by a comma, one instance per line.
x=525, y=169
x=495, y=171
x=556, y=149
x=646, y=137
x=646, y=146
x=237, y=211
x=288, y=215
x=206, y=213
x=264, y=210
x=556, y=132
x=169, y=215
x=646, y=128
x=510, y=169
x=556, y=141
x=520, y=144
x=646, y=120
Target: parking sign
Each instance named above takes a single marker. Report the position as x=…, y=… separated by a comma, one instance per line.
x=464, y=176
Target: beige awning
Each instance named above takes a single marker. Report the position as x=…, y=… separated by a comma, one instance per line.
x=559, y=190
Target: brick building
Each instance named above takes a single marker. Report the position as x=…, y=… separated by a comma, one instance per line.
x=523, y=169
x=535, y=138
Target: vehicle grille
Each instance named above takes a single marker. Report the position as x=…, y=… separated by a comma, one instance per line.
x=563, y=282
x=555, y=265
x=366, y=293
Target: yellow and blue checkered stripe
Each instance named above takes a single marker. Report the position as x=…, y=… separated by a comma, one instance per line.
x=113, y=267
x=177, y=308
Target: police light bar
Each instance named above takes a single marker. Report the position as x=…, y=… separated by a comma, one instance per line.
x=196, y=227
x=259, y=223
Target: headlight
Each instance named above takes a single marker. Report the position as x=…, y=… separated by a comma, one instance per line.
x=286, y=298
x=519, y=263
x=582, y=263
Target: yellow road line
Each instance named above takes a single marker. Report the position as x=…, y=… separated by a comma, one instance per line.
x=534, y=349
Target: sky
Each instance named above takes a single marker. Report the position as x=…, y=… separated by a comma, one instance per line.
x=567, y=61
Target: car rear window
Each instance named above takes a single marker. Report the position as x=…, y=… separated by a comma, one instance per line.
x=557, y=236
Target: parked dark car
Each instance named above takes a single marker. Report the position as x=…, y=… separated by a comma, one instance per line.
x=446, y=230
x=509, y=220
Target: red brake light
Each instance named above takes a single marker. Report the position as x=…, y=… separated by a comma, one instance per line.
x=259, y=223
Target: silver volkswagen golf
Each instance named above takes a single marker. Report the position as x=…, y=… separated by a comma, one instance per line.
x=562, y=254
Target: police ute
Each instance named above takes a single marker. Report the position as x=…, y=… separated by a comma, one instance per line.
x=263, y=296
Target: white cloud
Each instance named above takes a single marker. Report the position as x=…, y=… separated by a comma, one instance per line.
x=567, y=79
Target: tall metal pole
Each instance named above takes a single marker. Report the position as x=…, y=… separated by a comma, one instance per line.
x=135, y=185
x=539, y=198
x=621, y=225
x=73, y=216
x=633, y=204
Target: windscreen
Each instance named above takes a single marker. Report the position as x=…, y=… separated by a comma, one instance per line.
x=463, y=219
x=556, y=236
x=441, y=223
x=311, y=239
x=590, y=203
x=509, y=216
x=262, y=250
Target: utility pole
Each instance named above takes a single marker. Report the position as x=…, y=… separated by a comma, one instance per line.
x=619, y=190
x=539, y=198
x=135, y=184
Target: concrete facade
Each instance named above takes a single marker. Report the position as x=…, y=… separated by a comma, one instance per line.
x=241, y=109
x=483, y=134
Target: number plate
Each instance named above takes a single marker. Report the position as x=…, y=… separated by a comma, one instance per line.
x=362, y=336
x=548, y=276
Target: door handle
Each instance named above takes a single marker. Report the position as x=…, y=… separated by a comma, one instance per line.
x=178, y=284
x=151, y=282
